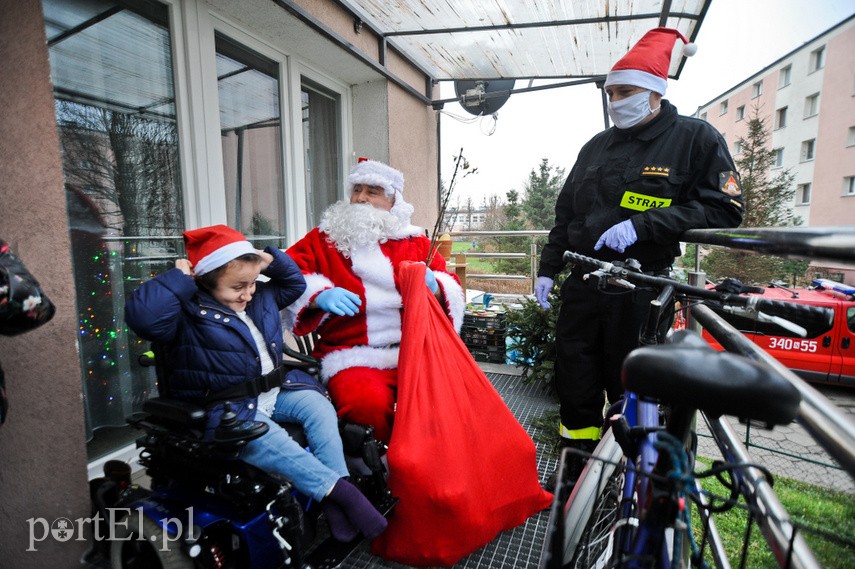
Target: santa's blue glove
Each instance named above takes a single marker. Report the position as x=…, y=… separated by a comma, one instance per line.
x=430, y=281
x=541, y=291
x=339, y=301
x=618, y=237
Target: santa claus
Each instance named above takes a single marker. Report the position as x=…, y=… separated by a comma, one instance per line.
x=353, y=297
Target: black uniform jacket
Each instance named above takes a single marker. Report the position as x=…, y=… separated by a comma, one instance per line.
x=669, y=175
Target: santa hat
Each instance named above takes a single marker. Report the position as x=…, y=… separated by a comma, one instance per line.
x=647, y=63
x=374, y=173
x=209, y=248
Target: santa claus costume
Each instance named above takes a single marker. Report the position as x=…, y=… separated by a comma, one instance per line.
x=359, y=247
x=460, y=464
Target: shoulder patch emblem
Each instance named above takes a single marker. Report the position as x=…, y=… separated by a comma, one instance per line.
x=728, y=182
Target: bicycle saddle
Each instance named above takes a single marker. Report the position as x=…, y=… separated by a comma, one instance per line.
x=690, y=373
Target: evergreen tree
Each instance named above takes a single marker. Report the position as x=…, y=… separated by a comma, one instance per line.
x=768, y=203
x=513, y=221
x=541, y=193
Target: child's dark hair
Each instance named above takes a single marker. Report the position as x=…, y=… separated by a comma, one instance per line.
x=208, y=281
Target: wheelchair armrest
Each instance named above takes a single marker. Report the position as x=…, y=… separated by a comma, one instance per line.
x=175, y=410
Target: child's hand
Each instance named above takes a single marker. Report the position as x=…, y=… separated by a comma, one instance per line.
x=266, y=259
x=185, y=266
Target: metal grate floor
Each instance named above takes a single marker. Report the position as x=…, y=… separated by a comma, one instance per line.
x=518, y=548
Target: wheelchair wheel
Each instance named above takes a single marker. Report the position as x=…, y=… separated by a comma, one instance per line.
x=145, y=547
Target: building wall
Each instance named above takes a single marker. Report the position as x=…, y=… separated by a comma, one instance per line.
x=833, y=159
x=43, y=473
x=42, y=445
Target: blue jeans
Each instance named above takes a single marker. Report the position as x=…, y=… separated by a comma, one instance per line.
x=314, y=472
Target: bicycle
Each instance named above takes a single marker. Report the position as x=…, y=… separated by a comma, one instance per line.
x=629, y=506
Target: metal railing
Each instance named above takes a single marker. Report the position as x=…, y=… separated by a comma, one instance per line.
x=459, y=265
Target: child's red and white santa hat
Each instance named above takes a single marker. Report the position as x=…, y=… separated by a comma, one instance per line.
x=374, y=173
x=646, y=64
x=209, y=248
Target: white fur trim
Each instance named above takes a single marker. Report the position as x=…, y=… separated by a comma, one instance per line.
x=358, y=356
x=382, y=300
x=455, y=300
x=315, y=283
x=218, y=258
x=374, y=173
x=408, y=231
x=637, y=78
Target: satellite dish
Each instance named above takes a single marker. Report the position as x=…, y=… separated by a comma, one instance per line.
x=483, y=97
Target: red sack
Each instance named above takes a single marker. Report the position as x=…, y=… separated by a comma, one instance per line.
x=462, y=466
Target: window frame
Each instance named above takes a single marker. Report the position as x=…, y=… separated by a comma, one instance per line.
x=781, y=117
x=809, y=144
x=817, y=59
x=757, y=89
x=802, y=190
x=785, y=76
x=811, y=106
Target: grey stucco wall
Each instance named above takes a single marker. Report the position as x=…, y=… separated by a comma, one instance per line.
x=42, y=446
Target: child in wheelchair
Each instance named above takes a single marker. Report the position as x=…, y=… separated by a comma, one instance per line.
x=217, y=337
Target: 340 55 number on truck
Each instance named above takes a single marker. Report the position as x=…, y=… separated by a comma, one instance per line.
x=826, y=353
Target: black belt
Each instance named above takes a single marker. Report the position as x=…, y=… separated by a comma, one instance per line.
x=249, y=389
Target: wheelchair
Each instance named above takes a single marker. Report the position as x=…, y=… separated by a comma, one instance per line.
x=207, y=509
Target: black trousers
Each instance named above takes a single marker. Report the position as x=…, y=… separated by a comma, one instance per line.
x=594, y=333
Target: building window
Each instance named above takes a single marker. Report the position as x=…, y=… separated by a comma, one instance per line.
x=849, y=186
x=322, y=148
x=781, y=118
x=740, y=112
x=737, y=147
x=757, y=89
x=251, y=138
x=850, y=139
x=803, y=193
x=115, y=110
x=703, y=116
x=778, y=155
x=785, y=76
x=817, y=59
x=808, y=149
x=722, y=108
x=812, y=105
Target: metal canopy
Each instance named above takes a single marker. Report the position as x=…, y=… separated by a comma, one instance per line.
x=523, y=39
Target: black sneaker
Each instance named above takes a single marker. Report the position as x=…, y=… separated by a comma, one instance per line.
x=573, y=461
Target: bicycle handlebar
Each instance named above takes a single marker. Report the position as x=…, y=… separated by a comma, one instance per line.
x=626, y=275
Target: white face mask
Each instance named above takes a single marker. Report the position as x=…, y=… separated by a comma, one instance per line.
x=628, y=112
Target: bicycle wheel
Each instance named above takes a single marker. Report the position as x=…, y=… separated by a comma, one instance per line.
x=595, y=545
x=592, y=508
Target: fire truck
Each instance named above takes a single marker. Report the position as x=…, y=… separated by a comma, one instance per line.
x=816, y=352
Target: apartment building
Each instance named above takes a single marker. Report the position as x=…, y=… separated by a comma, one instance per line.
x=807, y=98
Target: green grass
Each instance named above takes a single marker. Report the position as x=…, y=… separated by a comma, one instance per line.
x=827, y=518
x=473, y=264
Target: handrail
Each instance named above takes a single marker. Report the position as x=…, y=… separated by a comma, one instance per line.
x=813, y=243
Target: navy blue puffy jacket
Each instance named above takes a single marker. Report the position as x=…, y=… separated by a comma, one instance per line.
x=202, y=346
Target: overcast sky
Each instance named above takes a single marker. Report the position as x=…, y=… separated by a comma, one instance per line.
x=737, y=39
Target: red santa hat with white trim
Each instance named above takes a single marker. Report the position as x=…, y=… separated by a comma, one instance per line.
x=646, y=64
x=209, y=248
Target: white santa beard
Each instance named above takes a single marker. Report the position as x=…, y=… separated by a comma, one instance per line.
x=350, y=226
